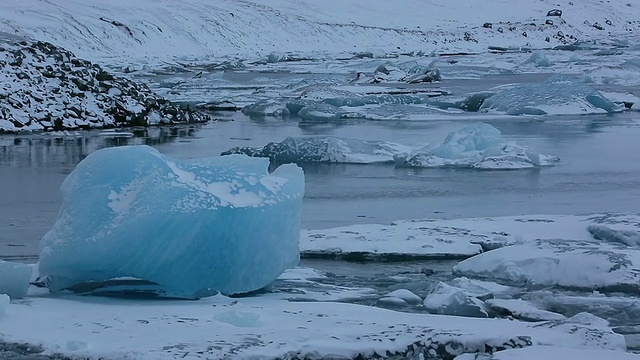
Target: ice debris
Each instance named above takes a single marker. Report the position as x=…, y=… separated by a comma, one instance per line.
x=479, y=146
x=324, y=149
x=521, y=310
x=558, y=95
x=14, y=279
x=44, y=87
x=173, y=228
x=410, y=72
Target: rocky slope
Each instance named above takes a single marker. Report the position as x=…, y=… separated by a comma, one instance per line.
x=44, y=87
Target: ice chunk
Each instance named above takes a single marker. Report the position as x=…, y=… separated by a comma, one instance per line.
x=558, y=95
x=325, y=149
x=448, y=300
x=320, y=113
x=626, y=237
x=4, y=303
x=522, y=310
x=566, y=263
x=538, y=59
x=482, y=290
x=406, y=295
x=267, y=107
x=187, y=229
x=477, y=146
x=14, y=279
x=410, y=72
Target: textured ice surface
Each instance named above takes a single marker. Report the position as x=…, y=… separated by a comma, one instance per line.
x=268, y=107
x=14, y=279
x=566, y=263
x=191, y=228
x=449, y=300
x=325, y=149
x=558, y=95
x=605, y=233
x=477, y=146
x=4, y=303
x=619, y=310
x=405, y=295
x=538, y=59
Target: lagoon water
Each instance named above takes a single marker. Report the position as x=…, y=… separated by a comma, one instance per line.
x=599, y=171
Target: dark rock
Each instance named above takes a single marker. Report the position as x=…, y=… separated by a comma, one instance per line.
x=549, y=22
x=555, y=12
x=487, y=25
x=598, y=26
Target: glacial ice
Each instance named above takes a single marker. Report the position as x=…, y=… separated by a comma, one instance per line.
x=14, y=279
x=558, y=95
x=449, y=300
x=183, y=229
x=324, y=149
x=478, y=146
x=410, y=72
x=267, y=107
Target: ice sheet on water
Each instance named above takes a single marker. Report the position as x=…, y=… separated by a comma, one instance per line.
x=552, y=353
x=618, y=310
x=324, y=149
x=190, y=228
x=14, y=279
x=478, y=146
x=558, y=95
x=565, y=263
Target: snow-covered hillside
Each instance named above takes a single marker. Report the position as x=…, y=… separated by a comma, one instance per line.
x=95, y=29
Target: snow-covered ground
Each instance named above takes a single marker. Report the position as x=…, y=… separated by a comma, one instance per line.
x=135, y=30
x=264, y=327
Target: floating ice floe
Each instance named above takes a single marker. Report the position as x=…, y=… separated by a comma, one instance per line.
x=173, y=228
x=252, y=328
x=14, y=279
x=324, y=149
x=558, y=95
x=579, y=264
x=625, y=237
x=269, y=107
x=478, y=146
x=401, y=240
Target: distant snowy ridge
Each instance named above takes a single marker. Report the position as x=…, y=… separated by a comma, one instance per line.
x=133, y=30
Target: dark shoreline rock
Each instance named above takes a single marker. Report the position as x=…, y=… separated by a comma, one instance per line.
x=44, y=88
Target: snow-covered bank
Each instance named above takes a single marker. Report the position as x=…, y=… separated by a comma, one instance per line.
x=44, y=87
x=268, y=328
x=163, y=28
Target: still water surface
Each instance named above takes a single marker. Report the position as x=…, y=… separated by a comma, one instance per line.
x=599, y=172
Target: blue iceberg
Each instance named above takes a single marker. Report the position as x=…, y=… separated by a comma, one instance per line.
x=133, y=219
x=559, y=95
x=479, y=146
